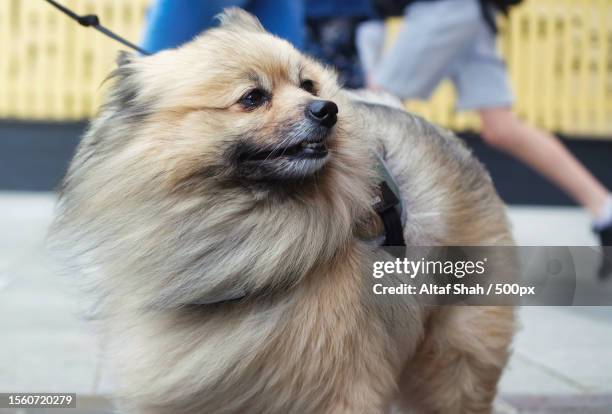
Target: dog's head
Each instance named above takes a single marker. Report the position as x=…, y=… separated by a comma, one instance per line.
x=217, y=163
x=238, y=105
x=276, y=106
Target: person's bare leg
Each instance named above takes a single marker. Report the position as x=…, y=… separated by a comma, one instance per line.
x=544, y=153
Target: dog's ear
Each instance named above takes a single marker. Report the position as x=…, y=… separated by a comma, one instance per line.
x=234, y=18
x=124, y=90
x=123, y=58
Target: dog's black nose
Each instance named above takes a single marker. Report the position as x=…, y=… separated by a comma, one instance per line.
x=323, y=112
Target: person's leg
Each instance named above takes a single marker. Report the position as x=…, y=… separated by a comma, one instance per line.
x=545, y=154
x=170, y=23
x=285, y=19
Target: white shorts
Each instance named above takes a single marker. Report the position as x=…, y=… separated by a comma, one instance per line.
x=444, y=39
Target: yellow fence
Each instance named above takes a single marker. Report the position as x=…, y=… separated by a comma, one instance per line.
x=50, y=67
x=559, y=54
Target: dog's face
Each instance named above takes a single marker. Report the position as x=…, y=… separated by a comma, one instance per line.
x=277, y=111
x=236, y=104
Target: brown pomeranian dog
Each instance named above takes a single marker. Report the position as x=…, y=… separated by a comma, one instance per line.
x=219, y=208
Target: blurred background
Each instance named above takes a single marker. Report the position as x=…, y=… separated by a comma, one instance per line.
x=559, y=56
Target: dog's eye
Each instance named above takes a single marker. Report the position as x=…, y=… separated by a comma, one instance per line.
x=308, y=86
x=253, y=98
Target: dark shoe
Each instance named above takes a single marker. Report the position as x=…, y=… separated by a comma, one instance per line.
x=605, y=238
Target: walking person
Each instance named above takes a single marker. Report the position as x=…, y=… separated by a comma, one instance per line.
x=456, y=39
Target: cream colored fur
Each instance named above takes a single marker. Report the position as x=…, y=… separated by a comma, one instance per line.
x=157, y=218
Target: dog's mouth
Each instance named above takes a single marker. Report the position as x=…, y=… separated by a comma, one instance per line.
x=304, y=150
x=297, y=160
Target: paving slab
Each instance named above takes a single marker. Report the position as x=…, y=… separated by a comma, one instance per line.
x=551, y=226
x=571, y=346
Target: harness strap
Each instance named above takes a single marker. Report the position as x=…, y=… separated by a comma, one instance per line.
x=390, y=216
x=387, y=203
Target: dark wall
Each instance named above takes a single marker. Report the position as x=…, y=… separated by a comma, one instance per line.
x=34, y=157
x=518, y=184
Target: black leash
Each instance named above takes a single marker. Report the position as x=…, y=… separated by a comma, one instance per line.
x=92, y=20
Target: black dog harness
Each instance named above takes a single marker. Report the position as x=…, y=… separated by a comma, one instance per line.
x=387, y=203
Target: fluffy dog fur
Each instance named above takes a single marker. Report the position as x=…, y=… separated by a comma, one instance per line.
x=164, y=216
